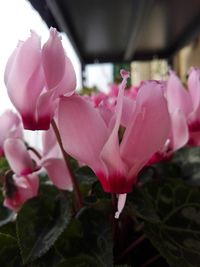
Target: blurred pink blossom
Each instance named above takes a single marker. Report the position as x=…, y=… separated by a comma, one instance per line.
x=24, y=181
x=11, y=127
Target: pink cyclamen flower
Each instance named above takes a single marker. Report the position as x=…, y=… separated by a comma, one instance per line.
x=25, y=180
x=89, y=139
x=10, y=127
x=35, y=77
x=194, y=116
x=184, y=108
x=52, y=160
x=179, y=106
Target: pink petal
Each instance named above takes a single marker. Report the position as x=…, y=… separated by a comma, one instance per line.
x=128, y=109
x=194, y=139
x=53, y=57
x=110, y=152
x=23, y=76
x=180, y=133
x=58, y=173
x=115, y=182
x=177, y=96
x=46, y=107
x=148, y=131
x=28, y=109
x=194, y=91
x=10, y=126
x=18, y=63
x=53, y=162
x=67, y=85
x=106, y=114
x=82, y=129
x=48, y=141
x=27, y=187
x=32, y=184
x=51, y=147
x=18, y=156
x=59, y=72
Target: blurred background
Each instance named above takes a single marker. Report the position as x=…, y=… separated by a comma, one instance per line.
x=146, y=37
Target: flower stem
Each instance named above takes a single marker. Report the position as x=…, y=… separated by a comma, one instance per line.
x=34, y=151
x=66, y=159
x=147, y=263
x=114, y=202
x=131, y=247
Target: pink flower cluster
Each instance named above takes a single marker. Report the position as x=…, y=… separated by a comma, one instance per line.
x=115, y=134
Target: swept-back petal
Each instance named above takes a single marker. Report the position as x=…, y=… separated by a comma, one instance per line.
x=18, y=156
x=48, y=141
x=106, y=114
x=110, y=152
x=180, y=132
x=82, y=129
x=26, y=188
x=148, y=131
x=67, y=85
x=58, y=69
x=127, y=112
x=10, y=126
x=53, y=58
x=23, y=73
x=58, y=173
x=177, y=96
x=194, y=91
x=23, y=61
x=53, y=162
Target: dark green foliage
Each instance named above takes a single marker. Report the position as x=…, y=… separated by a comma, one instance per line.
x=50, y=259
x=40, y=222
x=171, y=210
x=6, y=215
x=89, y=235
x=9, y=252
x=80, y=261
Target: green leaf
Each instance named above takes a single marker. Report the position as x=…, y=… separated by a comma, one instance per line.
x=3, y=165
x=69, y=244
x=140, y=204
x=97, y=237
x=79, y=261
x=85, y=175
x=51, y=259
x=86, y=178
x=9, y=252
x=177, y=232
x=185, y=164
x=6, y=215
x=41, y=221
x=88, y=235
x=10, y=229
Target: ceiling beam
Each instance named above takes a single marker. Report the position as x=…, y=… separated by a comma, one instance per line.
x=141, y=11
x=64, y=26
